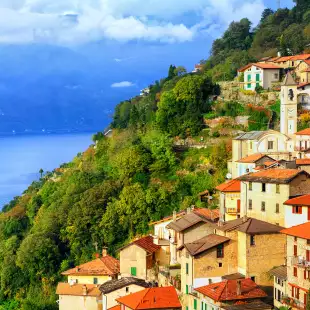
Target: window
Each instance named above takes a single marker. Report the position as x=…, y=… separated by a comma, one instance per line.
x=263, y=206
x=133, y=271
x=220, y=265
x=250, y=204
x=308, y=255
x=295, y=239
x=277, y=208
x=250, y=186
x=195, y=304
x=252, y=240
x=295, y=271
x=257, y=78
x=127, y=289
x=278, y=188
x=270, y=145
x=295, y=250
x=186, y=268
x=308, y=241
x=220, y=251
x=276, y=76
x=253, y=278
x=186, y=289
x=263, y=187
x=297, y=209
x=202, y=307
x=95, y=280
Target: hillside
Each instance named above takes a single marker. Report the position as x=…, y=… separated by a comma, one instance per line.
x=108, y=194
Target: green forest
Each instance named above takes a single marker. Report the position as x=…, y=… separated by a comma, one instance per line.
x=110, y=192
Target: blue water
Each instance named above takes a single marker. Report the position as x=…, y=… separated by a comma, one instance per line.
x=21, y=158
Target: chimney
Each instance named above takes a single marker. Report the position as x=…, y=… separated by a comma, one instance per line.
x=239, y=288
x=84, y=288
x=97, y=255
x=188, y=211
x=104, y=251
x=174, y=215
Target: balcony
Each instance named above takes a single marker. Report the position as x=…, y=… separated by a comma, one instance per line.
x=301, y=148
x=232, y=211
x=300, y=261
x=293, y=303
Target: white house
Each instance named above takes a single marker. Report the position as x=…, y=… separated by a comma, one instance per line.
x=259, y=74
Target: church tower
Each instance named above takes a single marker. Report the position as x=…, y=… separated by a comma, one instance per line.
x=289, y=108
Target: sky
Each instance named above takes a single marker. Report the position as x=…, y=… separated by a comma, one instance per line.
x=71, y=22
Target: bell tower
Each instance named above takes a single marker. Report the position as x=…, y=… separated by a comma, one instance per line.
x=289, y=107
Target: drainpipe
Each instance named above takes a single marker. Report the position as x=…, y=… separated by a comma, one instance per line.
x=246, y=198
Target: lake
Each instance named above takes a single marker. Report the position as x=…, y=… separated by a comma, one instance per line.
x=21, y=158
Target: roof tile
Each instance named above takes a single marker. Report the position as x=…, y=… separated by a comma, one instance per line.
x=78, y=289
x=301, y=231
x=230, y=186
x=299, y=201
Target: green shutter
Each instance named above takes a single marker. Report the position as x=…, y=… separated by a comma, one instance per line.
x=186, y=289
x=186, y=268
x=133, y=271
x=249, y=78
x=249, y=85
x=186, y=307
x=206, y=307
x=257, y=77
x=195, y=304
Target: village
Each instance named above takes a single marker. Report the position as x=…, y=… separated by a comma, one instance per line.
x=253, y=252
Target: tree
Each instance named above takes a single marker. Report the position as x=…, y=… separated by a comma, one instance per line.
x=180, y=70
x=267, y=12
x=171, y=72
x=41, y=172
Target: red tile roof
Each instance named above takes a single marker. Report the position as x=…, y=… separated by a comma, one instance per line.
x=152, y=298
x=259, y=65
x=106, y=265
x=303, y=161
x=304, y=132
x=227, y=290
x=78, y=289
x=145, y=243
x=230, y=186
x=277, y=176
x=303, y=84
x=253, y=158
x=299, y=201
x=117, y=307
x=300, y=57
x=207, y=213
x=284, y=58
x=301, y=231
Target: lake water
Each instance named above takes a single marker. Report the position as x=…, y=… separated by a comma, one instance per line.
x=21, y=158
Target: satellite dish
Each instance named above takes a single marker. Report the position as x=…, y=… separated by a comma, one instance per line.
x=228, y=176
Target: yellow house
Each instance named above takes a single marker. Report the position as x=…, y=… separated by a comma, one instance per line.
x=298, y=265
x=303, y=71
x=264, y=193
x=141, y=258
x=230, y=200
x=82, y=290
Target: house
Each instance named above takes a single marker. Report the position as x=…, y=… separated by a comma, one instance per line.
x=82, y=290
x=113, y=289
x=229, y=199
x=303, y=96
x=279, y=274
x=303, y=164
x=302, y=144
x=264, y=193
x=259, y=246
x=298, y=263
x=270, y=142
x=230, y=293
x=302, y=71
x=98, y=271
x=140, y=258
x=297, y=210
x=197, y=68
x=259, y=74
x=249, y=163
x=151, y=298
x=291, y=62
x=190, y=227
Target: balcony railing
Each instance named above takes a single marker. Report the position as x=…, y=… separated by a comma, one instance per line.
x=232, y=210
x=301, y=148
x=300, y=262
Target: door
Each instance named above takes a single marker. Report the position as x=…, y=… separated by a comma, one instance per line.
x=238, y=205
x=308, y=213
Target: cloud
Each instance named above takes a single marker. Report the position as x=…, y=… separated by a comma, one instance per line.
x=122, y=84
x=79, y=21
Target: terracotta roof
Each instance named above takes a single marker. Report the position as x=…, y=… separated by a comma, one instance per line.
x=117, y=307
x=303, y=161
x=304, y=132
x=113, y=285
x=279, y=272
x=284, y=58
x=227, y=290
x=250, y=226
x=253, y=158
x=303, y=84
x=197, y=215
x=300, y=57
x=152, y=298
x=92, y=290
x=233, y=276
x=299, y=201
x=106, y=265
x=301, y=231
x=169, y=217
x=259, y=65
x=277, y=176
x=255, y=305
x=206, y=243
x=146, y=243
x=230, y=186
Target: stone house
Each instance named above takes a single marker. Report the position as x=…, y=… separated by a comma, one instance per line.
x=229, y=200
x=82, y=289
x=113, y=289
x=259, y=74
x=141, y=259
x=151, y=298
x=230, y=293
x=298, y=265
x=264, y=193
